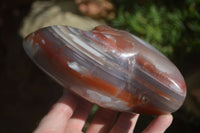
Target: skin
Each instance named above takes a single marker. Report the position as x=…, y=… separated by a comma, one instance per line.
x=70, y=113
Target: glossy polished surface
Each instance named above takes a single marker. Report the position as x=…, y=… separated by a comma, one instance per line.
x=109, y=67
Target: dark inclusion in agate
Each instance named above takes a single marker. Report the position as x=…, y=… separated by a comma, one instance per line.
x=109, y=67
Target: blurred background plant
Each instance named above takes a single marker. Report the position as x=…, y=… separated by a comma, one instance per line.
x=173, y=27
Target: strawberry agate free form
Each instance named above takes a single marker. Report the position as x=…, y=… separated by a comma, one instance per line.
x=111, y=68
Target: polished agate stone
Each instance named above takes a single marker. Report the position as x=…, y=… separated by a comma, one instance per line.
x=111, y=68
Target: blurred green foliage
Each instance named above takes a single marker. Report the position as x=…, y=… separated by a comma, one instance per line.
x=173, y=27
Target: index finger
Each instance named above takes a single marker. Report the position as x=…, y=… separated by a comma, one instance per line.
x=57, y=118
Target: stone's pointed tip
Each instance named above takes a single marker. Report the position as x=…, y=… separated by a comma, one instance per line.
x=122, y=71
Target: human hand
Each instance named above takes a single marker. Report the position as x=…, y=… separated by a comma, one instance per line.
x=70, y=113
